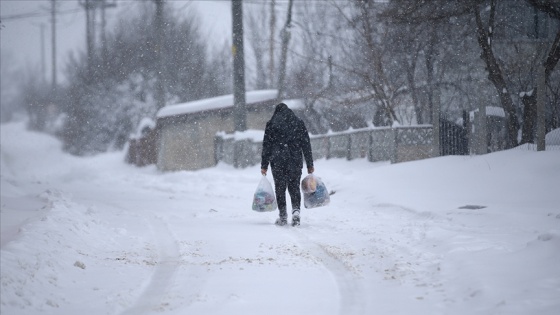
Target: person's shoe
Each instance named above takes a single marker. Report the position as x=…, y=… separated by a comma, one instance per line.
x=295, y=218
x=281, y=221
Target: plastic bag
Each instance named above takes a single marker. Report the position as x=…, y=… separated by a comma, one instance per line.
x=264, y=199
x=315, y=193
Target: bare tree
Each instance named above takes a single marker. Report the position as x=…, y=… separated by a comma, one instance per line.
x=495, y=73
x=258, y=41
x=368, y=59
x=103, y=111
x=550, y=7
x=529, y=100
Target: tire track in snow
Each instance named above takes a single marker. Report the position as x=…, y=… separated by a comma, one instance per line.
x=157, y=289
x=349, y=286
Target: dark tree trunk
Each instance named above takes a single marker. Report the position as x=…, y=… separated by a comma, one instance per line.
x=530, y=101
x=529, y=118
x=495, y=74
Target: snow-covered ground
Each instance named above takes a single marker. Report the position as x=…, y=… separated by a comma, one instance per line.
x=97, y=236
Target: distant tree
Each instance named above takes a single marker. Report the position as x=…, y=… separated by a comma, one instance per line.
x=550, y=7
x=485, y=27
x=529, y=96
x=367, y=61
x=312, y=71
x=34, y=95
x=105, y=105
x=258, y=39
x=500, y=29
x=10, y=81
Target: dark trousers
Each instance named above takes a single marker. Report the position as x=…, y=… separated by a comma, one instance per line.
x=289, y=180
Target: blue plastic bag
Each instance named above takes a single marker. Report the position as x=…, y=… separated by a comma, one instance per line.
x=315, y=193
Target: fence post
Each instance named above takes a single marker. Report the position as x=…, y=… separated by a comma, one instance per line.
x=541, y=92
x=435, y=124
x=395, y=147
x=348, y=146
x=481, y=133
x=466, y=132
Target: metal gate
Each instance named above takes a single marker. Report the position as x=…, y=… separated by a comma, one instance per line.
x=453, y=138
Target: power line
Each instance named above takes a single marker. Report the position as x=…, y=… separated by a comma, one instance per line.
x=36, y=14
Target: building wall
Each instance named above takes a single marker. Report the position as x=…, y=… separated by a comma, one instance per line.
x=188, y=142
x=171, y=147
x=257, y=119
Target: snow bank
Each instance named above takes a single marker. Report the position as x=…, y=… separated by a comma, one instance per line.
x=449, y=235
x=553, y=137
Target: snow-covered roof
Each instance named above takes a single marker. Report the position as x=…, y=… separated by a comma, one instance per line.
x=491, y=111
x=495, y=111
x=214, y=103
x=145, y=122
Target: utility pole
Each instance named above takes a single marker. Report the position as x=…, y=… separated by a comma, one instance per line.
x=87, y=5
x=541, y=121
x=284, y=52
x=42, y=27
x=272, y=31
x=436, y=114
x=53, y=13
x=481, y=130
x=43, y=61
x=103, y=39
x=158, y=22
x=91, y=6
x=239, y=112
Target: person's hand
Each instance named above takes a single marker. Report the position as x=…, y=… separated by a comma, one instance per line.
x=310, y=170
x=263, y=171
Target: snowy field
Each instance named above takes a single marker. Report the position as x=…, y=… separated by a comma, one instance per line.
x=97, y=236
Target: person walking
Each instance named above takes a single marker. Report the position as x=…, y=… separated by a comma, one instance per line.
x=285, y=144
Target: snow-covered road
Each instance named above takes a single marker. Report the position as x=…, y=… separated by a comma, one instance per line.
x=96, y=236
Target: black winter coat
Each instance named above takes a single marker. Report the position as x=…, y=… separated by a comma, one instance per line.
x=286, y=142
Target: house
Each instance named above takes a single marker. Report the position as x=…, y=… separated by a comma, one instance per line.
x=187, y=131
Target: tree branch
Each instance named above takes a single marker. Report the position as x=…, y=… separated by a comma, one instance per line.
x=550, y=7
x=553, y=56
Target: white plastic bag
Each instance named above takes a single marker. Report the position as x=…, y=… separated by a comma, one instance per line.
x=264, y=199
x=315, y=193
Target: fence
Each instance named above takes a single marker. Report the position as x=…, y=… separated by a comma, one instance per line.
x=376, y=144
x=453, y=139
x=142, y=150
x=552, y=142
x=398, y=144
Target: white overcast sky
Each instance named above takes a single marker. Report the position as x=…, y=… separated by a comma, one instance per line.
x=20, y=34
